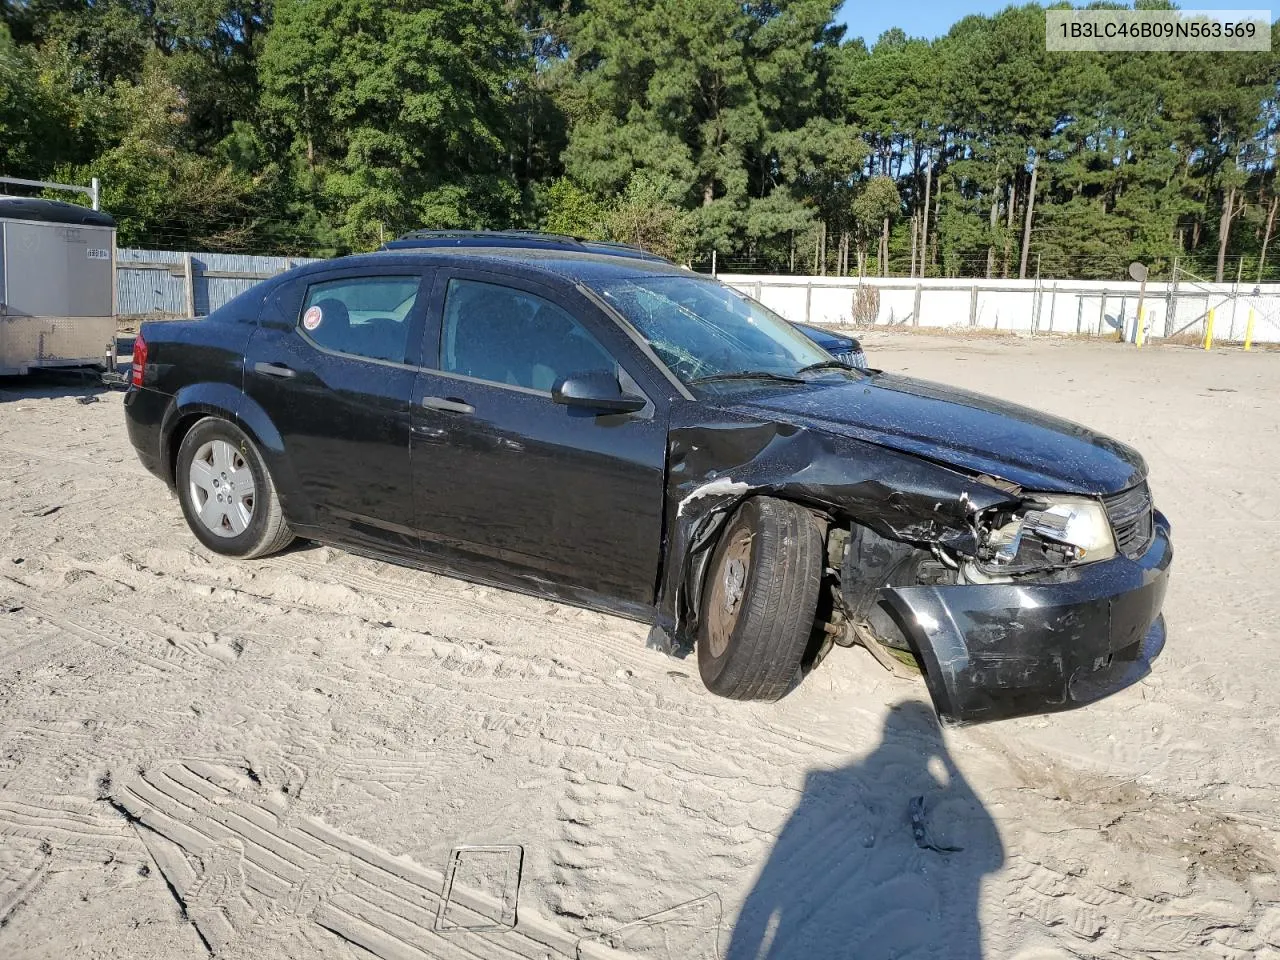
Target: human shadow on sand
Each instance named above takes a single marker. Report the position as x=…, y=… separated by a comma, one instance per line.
x=847, y=878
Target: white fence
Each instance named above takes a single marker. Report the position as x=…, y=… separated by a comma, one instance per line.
x=1077, y=307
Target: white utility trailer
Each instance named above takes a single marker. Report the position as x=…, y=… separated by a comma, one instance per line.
x=57, y=273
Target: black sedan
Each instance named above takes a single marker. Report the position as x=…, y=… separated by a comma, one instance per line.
x=623, y=434
x=838, y=345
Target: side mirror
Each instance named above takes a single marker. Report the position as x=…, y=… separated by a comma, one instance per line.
x=599, y=390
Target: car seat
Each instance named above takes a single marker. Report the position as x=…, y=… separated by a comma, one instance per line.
x=475, y=341
x=382, y=337
x=334, y=331
x=558, y=347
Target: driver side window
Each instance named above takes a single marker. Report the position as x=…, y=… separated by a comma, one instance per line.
x=512, y=337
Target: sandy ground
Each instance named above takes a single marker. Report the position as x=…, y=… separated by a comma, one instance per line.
x=278, y=758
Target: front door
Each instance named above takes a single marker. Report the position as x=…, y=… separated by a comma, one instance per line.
x=327, y=364
x=508, y=479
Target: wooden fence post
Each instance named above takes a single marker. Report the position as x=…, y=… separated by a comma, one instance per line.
x=189, y=284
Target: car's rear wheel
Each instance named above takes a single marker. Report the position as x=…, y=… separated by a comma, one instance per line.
x=759, y=600
x=226, y=492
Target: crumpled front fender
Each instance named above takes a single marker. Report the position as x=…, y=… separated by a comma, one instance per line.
x=713, y=465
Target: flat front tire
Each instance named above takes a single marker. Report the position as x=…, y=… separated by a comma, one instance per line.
x=226, y=492
x=759, y=600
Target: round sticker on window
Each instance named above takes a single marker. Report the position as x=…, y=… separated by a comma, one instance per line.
x=311, y=319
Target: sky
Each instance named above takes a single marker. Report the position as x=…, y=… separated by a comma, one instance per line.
x=933, y=18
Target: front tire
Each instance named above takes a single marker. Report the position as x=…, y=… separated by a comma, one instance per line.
x=226, y=492
x=759, y=600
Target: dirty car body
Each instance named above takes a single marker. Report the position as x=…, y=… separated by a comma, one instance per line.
x=1013, y=556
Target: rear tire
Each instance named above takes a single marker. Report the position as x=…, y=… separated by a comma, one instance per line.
x=216, y=460
x=759, y=601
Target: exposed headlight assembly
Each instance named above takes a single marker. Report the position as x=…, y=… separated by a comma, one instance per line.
x=1069, y=530
x=1076, y=522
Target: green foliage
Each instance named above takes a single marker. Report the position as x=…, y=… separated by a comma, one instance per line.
x=646, y=217
x=711, y=98
x=402, y=108
x=157, y=190
x=43, y=121
x=22, y=110
x=878, y=200
x=752, y=128
x=571, y=210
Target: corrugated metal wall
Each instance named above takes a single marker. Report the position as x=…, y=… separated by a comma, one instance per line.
x=154, y=282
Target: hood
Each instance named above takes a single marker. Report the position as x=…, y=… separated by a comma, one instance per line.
x=966, y=430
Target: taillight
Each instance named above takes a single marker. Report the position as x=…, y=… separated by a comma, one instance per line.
x=139, y=360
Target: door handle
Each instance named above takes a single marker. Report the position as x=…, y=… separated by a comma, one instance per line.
x=448, y=404
x=274, y=370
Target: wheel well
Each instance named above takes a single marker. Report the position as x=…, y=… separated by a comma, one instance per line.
x=176, y=436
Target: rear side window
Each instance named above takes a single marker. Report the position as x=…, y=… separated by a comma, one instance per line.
x=365, y=316
x=509, y=336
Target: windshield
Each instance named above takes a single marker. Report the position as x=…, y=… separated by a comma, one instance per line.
x=702, y=329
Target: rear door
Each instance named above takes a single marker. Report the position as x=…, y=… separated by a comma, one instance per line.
x=507, y=479
x=331, y=366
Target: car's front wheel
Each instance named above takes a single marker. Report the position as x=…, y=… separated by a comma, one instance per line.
x=759, y=600
x=226, y=492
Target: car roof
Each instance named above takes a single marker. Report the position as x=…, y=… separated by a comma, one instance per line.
x=568, y=265
x=513, y=239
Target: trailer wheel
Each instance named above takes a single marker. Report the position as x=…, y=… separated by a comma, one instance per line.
x=226, y=492
x=759, y=600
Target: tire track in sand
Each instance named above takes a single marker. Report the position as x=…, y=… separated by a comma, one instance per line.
x=297, y=582
x=164, y=654
x=241, y=863
x=62, y=822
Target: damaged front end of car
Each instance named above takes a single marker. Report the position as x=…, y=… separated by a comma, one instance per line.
x=1006, y=601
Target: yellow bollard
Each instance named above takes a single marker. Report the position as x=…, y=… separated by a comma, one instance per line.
x=1248, y=332
x=1208, y=331
x=1138, y=335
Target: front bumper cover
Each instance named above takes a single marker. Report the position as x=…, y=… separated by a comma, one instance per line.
x=991, y=651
